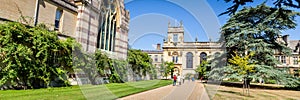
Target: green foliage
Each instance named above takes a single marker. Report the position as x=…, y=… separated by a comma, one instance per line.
x=277, y=3
x=99, y=64
x=168, y=69
x=257, y=29
x=32, y=55
x=241, y=65
x=140, y=62
x=202, y=69
x=270, y=81
x=120, y=67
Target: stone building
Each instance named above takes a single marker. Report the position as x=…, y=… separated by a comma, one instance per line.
x=157, y=59
x=95, y=24
x=103, y=24
x=58, y=15
x=187, y=55
x=289, y=61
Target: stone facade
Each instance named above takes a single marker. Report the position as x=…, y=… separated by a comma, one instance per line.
x=103, y=24
x=289, y=61
x=13, y=10
x=185, y=55
x=95, y=24
x=157, y=59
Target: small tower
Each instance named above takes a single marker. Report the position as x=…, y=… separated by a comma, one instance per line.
x=175, y=33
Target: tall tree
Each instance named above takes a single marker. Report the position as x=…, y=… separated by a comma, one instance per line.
x=242, y=68
x=277, y=3
x=169, y=69
x=140, y=62
x=202, y=69
x=258, y=30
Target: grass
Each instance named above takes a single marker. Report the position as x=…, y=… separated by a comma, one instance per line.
x=236, y=93
x=102, y=92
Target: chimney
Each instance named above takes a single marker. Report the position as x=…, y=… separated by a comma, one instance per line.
x=158, y=46
x=285, y=39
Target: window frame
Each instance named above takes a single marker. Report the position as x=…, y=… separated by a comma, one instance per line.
x=58, y=19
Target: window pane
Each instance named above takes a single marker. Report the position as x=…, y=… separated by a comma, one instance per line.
x=57, y=19
x=283, y=59
x=203, y=57
x=175, y=37
x=295, y=60
x=189, y=60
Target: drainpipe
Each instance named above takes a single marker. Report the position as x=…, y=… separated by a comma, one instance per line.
x=36, y=12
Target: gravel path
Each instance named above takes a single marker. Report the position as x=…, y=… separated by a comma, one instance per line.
x=187, y=91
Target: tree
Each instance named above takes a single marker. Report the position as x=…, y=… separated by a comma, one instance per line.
x=169, y=69
x=257, y=30
x=202, y=69
x=33, y=57
x=277, y=3
x=140, y=62
x=242, y=66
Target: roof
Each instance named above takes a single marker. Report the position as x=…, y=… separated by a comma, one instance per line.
x=153, y=51
x=294, y=45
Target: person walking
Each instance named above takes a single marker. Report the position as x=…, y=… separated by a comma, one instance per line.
x=183, y=79
x=174, y=80
x=179, y=79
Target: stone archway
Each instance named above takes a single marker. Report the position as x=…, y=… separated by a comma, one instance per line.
x=177, y=69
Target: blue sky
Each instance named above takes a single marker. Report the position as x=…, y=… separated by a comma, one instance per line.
x=149, y=20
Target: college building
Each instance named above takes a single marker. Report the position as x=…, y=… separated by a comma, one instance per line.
x=289, y=61
x=187, y=56
x=95, y=24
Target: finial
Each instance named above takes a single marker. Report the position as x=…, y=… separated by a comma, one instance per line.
x=169, y=24
x=181, y=23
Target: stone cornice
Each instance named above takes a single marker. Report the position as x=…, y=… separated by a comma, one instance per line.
x=191, y=47
x=65, y=4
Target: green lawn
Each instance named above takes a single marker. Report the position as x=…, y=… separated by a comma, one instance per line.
x=102, y=92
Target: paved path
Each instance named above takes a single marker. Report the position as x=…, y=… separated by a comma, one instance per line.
x=187, y=91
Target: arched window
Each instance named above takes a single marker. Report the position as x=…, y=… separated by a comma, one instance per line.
x=189, y=60
x=203, y=57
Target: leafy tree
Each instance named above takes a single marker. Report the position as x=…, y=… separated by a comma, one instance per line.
x=162, y=69
x=33, y=56
x=257, y=30
x=277, y=3
x=169, y=69
x=241, y=65
x=140, y=62
x=202, y=69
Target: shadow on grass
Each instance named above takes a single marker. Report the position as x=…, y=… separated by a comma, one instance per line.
x=236, y=93
x=255, y=86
